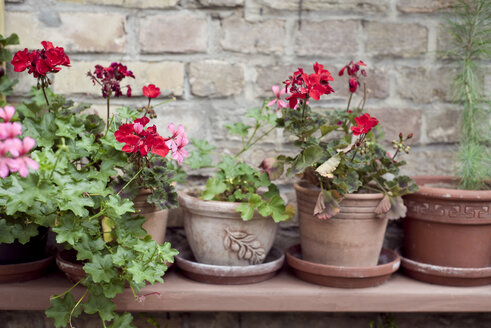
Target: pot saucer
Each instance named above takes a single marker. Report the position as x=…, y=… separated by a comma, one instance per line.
x=25, y=271
x=229, y=275
x=448, y=276
x=343, y=276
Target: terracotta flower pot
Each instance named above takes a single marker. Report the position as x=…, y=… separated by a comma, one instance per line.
x=448, y=227
x=217, y=235
x=353, y=237
x=155, y=219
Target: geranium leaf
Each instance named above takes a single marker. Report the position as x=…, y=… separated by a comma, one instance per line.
x=397, y=208
x=122, y=321
x=238, y=128
x=98, y=303
x=213, y=187
x=327, y=204
x=100, y=268
x=327, y=168
x=61, y=308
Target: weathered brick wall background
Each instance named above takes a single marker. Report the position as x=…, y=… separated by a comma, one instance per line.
x=220, y=57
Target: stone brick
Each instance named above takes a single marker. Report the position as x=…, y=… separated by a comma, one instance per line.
x=25, y=81
x=168, y=76
x=253, y=37
x=396, y=120
x=395, y=39
x=327, y=38
x=424, y=85
x=422, y=6
x=76, y=32
x=174, y=34
x=443, y=126
x=213, y=78
x=430, y=160
x=194, y=119
x=221, y=3
x=350, y=6
x=129, y=3
x=267, y=76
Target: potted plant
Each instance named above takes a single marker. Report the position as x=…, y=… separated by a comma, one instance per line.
x=233, y=220
x=448, y=223
x=22, y=242
x=71, y=192
x=152, y=192
x=350, y=184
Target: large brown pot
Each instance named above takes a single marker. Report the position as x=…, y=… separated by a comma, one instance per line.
x=217, y=235
x=155, y=219
x=448, y=227
x=353, y=237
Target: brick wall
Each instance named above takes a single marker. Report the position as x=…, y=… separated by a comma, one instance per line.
x=221, y=57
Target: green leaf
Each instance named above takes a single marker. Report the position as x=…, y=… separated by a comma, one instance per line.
x=61, y=308
x=116, y=206
x=239, y=129
x=122, y=321
x=101, y=268
x=278, y=209
x=326, y=129
x=98, y=303
x=12, y=39
x=247, y=209
x=307, y=158
x=273, y=166
x=213, y=187
x=87, y=247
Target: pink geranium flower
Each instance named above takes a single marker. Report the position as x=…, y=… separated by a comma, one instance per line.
x=177, y=141
x=22, y=161
x=278, y=101
x=7, y=113
x=10, y=130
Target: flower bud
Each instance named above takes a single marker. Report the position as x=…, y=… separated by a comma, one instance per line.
x=409, y=136
x=400, y=135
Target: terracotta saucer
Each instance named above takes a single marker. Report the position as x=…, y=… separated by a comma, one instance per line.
x=229, y=275
x=448, y=276
x=343, y=276
x=25, y=271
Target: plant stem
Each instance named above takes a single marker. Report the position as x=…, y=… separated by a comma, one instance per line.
x=77, y=304
x=349, y=100
x=250, y=144
x=69, y=290
x=148, y=106
x=108, y=112
x=128, y=183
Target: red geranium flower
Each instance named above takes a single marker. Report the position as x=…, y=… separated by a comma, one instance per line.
x=110, y=77
x=364, y=123
x=151, y=91
x=40, y=62
x=137, y=139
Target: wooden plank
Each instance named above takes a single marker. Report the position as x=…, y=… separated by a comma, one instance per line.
x=282, y=293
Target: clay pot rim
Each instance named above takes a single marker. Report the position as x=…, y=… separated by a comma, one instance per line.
x=194, y=203
x=447, y=193
x=303, y=186
x=343, y=271
x=275, y=256
x=443, y=271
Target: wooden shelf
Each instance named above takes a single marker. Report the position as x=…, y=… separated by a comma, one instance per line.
x=282, y=293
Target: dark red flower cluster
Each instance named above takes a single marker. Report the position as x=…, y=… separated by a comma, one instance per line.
x=302, y=86
x=151, y=91
x=42, y=61
x=363, y=124
x=109, y=79
x=352, y=70
x=137, y=139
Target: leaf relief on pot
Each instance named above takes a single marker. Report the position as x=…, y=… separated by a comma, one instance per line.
x=245, y=245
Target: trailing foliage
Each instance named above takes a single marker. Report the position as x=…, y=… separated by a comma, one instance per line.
x=470, y=26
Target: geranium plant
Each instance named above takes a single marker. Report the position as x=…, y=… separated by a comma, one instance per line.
x=72, y=191
x=237, y=181
x=339, y=152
